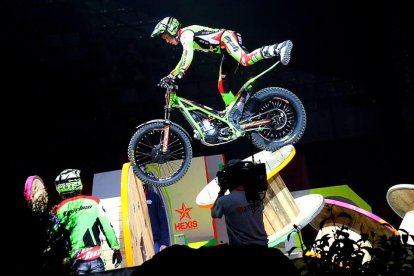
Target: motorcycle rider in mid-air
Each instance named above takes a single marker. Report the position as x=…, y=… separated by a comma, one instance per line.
x=272, y=116
x=228, y=43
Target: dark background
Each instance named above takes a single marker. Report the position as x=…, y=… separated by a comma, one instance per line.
x=80, y=75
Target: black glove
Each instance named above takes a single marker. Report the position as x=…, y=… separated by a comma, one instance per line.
x=116, y=258
x=167, y=81
x=170, y=80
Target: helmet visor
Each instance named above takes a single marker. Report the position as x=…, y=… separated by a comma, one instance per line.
x=71, y=185
x=68, y=181
x=159, y=29
x=169, y=25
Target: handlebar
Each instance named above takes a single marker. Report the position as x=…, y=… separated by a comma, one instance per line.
x=168, y=86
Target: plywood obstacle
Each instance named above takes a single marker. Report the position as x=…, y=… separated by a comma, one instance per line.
x=401, y=199
x=280, y=209
x=284, y=214
x=36, y=194
x=130, y=218
x=341, y=216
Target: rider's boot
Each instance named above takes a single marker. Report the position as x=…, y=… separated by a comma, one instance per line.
x=282, y=49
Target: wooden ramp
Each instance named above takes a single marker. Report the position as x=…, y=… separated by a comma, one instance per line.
x=130, y=219
x=280, y=208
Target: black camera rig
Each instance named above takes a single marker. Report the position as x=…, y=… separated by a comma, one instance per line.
x=252, y=176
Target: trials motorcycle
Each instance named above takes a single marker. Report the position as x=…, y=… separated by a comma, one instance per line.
x=160, y=150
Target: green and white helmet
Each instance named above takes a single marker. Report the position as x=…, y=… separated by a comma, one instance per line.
x=169, y=25
x=69, y=183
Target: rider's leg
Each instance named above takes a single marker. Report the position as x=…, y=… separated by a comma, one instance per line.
x=282, y=49
x=232, y=43
x=228, y=68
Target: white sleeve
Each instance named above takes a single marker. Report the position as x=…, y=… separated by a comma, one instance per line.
x=186, y=41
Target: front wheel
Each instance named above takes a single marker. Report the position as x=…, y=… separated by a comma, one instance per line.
x=285, y=113
x=153, y=165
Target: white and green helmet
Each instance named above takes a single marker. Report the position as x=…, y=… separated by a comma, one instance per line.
x=69, y=182
x=169, y=25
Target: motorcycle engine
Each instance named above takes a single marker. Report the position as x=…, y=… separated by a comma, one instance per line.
x=211, y=128
x=210, y=131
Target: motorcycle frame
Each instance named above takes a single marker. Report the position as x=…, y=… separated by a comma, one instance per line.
x=186, y=106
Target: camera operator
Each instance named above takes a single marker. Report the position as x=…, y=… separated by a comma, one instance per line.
x=242, y=207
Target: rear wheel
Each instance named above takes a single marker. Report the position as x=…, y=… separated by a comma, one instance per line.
x=287, y=115
x=150, y=163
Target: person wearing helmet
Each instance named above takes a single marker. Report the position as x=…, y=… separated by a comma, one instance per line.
x=227, y=43
x=84, y=218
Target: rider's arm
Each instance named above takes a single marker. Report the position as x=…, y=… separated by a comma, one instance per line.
x=186, y=39
x=107, y=229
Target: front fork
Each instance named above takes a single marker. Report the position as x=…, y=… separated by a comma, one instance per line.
x=165, y=139
x=167, y=122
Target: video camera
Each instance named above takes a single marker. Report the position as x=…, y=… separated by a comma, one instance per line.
x=251, y=176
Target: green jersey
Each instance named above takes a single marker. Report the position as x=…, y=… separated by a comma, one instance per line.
x=84, y=218
x=198, y=38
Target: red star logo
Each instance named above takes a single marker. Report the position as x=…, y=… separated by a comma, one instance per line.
x=184, y=211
